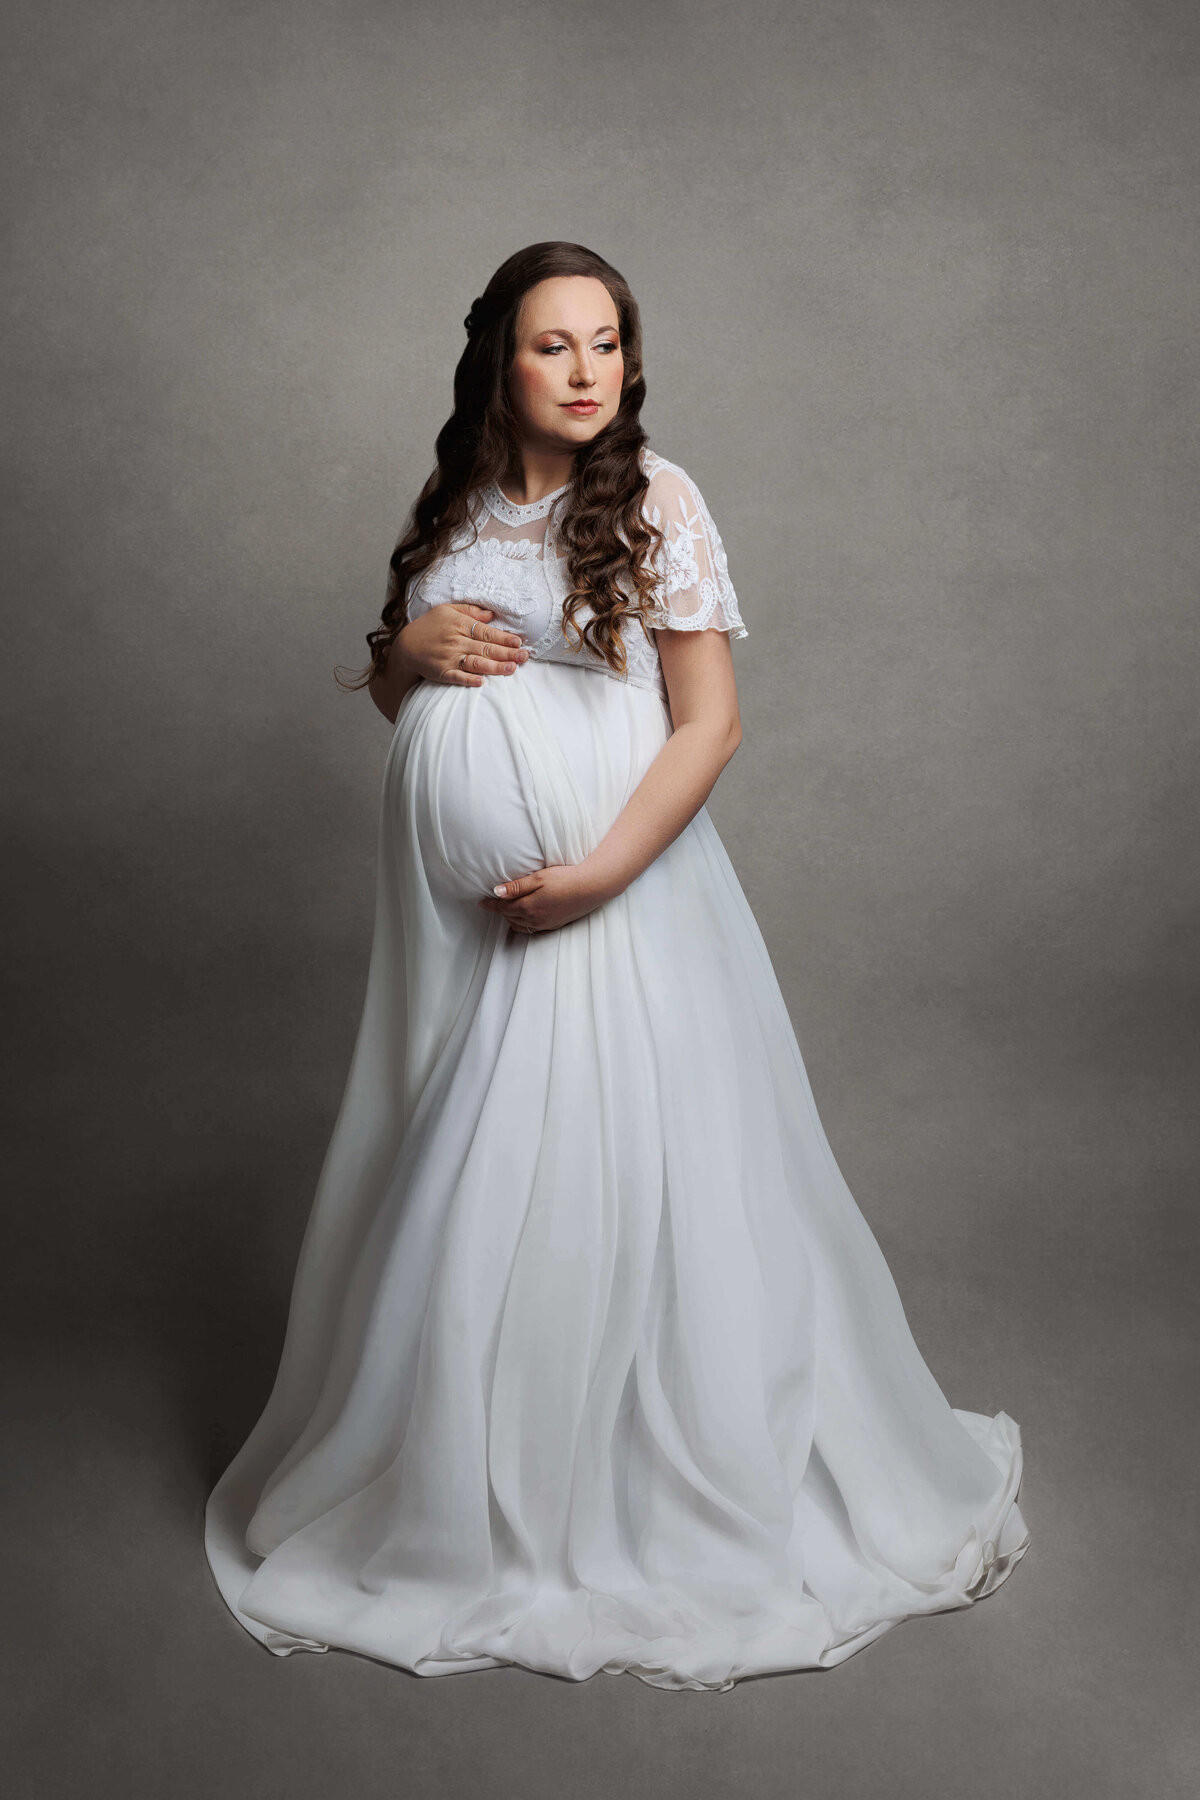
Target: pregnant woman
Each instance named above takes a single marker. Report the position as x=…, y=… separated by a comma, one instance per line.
x=592, y=1361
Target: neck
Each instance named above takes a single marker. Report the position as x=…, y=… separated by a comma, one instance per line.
x=539, y=473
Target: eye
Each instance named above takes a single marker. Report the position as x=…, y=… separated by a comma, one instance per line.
x=549, y=349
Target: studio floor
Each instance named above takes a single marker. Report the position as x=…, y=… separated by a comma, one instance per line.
x=128, y=1677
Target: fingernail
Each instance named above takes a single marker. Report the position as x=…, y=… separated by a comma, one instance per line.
x=501, y=890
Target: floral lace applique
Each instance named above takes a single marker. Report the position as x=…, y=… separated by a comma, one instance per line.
x=693, y=589
x=494, y=572
x=681, y=571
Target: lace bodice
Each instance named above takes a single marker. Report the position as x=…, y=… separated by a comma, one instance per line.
x=515, y=566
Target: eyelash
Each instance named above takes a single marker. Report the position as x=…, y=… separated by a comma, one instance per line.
x=547, y=348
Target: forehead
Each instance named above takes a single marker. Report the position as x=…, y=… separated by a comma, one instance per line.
x=577, y=303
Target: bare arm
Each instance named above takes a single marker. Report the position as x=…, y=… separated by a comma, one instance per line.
x=702, y=690
x=398, y=679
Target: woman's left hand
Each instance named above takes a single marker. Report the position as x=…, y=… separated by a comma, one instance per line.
x=545, y=899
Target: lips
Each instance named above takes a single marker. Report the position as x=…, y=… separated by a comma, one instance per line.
x=583, y=407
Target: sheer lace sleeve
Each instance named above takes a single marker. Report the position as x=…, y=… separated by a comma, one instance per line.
x=694, y=592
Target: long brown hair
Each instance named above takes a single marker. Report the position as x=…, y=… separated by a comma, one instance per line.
x=602, y=526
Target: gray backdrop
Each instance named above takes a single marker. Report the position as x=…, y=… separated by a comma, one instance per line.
x=919, y=290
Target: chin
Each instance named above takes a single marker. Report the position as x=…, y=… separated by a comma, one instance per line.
x=584, y=430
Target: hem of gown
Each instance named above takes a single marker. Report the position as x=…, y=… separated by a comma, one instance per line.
x=664, y=1677
x=991, y=1552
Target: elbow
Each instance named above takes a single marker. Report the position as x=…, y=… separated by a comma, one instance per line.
x=386, y=702
x=733, y=738
x=375, y=688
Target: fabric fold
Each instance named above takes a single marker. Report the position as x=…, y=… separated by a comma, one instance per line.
x=592, y=1364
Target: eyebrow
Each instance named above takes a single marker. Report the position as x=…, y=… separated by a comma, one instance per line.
x=561, y=331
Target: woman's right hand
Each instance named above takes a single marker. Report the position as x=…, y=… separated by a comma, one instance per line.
x=435, y=644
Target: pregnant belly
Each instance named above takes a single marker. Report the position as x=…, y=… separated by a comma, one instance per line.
x=491, y=782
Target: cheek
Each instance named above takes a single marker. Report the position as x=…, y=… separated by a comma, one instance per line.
x=536, y=381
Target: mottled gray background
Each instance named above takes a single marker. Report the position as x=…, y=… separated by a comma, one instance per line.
x=919, y=287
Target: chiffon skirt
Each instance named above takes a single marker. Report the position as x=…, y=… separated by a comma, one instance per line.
x=592, y=1362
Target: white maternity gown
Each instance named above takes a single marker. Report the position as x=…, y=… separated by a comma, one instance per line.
x=592, y=1362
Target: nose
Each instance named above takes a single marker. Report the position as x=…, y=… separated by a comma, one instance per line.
x=584, y=373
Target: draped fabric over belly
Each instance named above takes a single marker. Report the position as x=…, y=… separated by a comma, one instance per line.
x=592, y=1361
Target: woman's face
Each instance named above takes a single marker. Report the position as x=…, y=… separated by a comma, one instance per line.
x=568, y=350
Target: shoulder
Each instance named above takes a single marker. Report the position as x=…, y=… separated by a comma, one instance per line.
x=668, y=480
x=672, y=499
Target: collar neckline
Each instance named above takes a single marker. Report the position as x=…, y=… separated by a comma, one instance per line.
x=512, y=514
